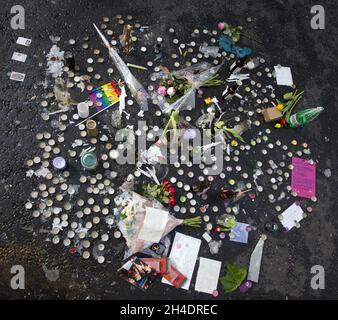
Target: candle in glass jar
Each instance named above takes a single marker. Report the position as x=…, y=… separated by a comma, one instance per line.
x=83, y=110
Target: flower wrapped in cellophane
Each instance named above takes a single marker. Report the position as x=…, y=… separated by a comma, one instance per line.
x=144, y=222
x=135, y=87
x=177, y=90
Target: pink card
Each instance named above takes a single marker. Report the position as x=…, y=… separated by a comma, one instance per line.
x=303, y=179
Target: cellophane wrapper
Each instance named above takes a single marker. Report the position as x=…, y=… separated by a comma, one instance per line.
x=131, y=229
x=137, y=90
x=196, y=75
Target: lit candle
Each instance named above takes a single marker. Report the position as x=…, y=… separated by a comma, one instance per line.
x=59, y=163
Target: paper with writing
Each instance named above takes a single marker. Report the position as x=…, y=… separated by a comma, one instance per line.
x=183, y=256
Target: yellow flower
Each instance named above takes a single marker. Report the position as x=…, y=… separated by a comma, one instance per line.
x=234, y=143
x=280, y=106
x=278, y=125
x=208, y=101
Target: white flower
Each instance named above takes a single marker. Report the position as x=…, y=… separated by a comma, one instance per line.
x=171, y=91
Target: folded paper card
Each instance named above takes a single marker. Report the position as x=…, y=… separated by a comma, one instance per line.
x=283, y=76
x=153, y=225
x=208, y=275
x=291, y=216
x=183, y=256
x=17, y=56
x=24, y=41
x=303, y=178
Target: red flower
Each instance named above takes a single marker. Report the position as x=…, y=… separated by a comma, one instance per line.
x=283, y=122
x=172, y=190
x=73, y=250
x=172, y=202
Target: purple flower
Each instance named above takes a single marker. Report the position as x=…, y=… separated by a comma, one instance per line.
x=170, y=82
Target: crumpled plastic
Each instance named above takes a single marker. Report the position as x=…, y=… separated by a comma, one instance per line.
x=55, y=61
x=196, y=76
x=137, y=90
x=130, y=228
x=153, y=155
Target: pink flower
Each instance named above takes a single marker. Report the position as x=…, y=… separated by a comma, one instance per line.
x=221, y=25
x=162, y=91
x=170, y=82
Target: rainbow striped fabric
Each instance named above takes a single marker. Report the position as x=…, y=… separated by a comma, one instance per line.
x=105, y=96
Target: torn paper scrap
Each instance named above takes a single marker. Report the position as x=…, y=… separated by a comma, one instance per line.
x=17, y=56
x=240, y=232
x=24, y=41
x=303, y=178
x=291, y=216
x=255, y=262
x=283, y=76
x=154, y=225
x=17, y=76
x=208, y=275
x=183, y=256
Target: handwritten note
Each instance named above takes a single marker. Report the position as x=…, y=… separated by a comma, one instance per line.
x=303, y=179
x=240, y=232
x=183, y=256
x=291, y=216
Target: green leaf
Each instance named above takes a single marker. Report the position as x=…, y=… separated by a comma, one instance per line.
x=219, y=124
x=234, y=133
x=234, y=277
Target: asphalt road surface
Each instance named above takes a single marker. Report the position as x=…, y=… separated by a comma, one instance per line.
x=281, y=32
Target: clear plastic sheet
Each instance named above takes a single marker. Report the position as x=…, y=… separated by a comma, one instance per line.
x=137, y=90
x=196, y=75
x=131, y=228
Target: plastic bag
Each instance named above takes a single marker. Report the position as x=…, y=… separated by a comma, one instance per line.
x=196, y=76
x=132, y=209
x=135, y=87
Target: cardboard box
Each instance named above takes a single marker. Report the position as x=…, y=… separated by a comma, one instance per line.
x=271, y=114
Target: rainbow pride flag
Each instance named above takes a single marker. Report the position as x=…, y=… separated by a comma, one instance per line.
x=104, y=96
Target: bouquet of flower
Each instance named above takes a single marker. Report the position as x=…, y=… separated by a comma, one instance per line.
x=180, y=128
x=234, y=32
x=177, y=89
x=135, y=87
x=133, y=208
x=164, y=193
x=227, y=221
x=290, y=99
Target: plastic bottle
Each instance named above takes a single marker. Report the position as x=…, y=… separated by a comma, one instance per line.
x=304, y=117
